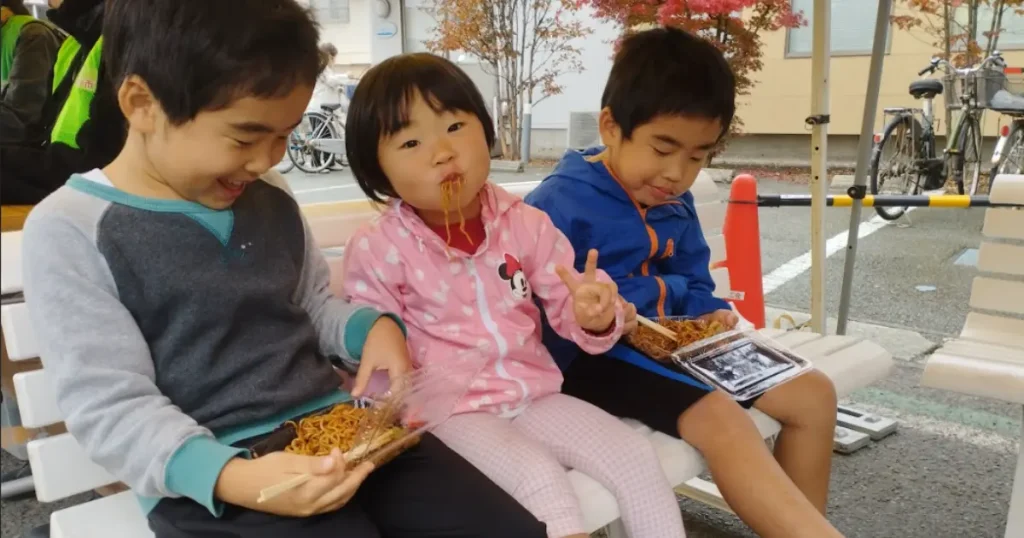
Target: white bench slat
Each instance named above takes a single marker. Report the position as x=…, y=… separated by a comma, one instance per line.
x=61, y=469
x=1001, y=258
x=723, y=288
x=1004, y=222
x=983, y=350
x=855, y=366
x=334, y=230
x=716, y=243
x=825, y=346
x=520, y=188
x=770, y=332
x=116, y=516
x=601, y=506
x=1007, y=189
x=704, y=190
x=19, y=337
x=11, y=278
x=793, y=339
x=37, y=399
x=994, y=329
x=996, y=379
x=998, y=295
x=711, y=216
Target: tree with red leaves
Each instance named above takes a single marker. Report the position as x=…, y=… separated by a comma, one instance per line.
x=734, y=26
x=524, y=44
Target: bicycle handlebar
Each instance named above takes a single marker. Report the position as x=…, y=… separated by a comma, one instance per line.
x=937, y=63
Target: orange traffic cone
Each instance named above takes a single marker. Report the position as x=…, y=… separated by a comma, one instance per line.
x=743, y=250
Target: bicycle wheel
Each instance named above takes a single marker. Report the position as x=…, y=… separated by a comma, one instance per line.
x=307, y=158
x=286, y=163
x=892, y=164
x=1012, y=159
x=968, y=162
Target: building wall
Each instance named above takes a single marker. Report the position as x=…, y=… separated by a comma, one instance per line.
x=777, y=105
x=782, y=98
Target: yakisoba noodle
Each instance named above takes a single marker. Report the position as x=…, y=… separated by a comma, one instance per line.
x=451, y=192
x=317, y=435
x=657, y=346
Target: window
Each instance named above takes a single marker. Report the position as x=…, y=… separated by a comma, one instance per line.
x=331, y=11
x=418, y=25
x=1011, y=32
x=853, y=28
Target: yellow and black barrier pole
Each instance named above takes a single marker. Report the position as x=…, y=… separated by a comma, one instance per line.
x=882, y=200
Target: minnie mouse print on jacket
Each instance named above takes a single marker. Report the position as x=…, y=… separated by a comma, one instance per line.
x=476, y=312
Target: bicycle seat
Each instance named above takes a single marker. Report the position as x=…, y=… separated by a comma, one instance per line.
x=330, y=107
x=926, y=88
x=1006, y=103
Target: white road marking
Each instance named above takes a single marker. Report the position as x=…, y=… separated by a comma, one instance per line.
x=797, y=266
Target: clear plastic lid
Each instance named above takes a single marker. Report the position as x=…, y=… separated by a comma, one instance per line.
x=742, y=363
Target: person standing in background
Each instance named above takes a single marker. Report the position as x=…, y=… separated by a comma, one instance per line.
x=330, y=86
x=28, y=49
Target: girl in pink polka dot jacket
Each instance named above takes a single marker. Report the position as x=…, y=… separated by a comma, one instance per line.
x=463, y=270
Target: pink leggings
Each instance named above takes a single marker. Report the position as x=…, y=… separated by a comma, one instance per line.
x=525, y=456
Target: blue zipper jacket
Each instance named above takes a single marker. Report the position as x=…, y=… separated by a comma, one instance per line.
x=657, y=255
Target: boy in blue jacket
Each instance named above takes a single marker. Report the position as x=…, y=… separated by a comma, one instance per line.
x=669, y=100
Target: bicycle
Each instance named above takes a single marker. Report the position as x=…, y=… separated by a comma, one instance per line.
x=1008, y=157
x=318, y=143
x=917, y=168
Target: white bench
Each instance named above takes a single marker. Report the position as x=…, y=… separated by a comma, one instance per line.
x=987, y=359
x=61, y=468
x=850, y=362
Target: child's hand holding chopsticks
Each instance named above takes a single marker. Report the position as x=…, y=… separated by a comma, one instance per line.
x=291, y=485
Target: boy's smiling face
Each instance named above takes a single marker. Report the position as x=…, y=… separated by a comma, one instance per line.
x=661, y=158
x=213, y=157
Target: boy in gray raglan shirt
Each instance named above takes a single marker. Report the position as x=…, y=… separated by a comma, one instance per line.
x=183, y=306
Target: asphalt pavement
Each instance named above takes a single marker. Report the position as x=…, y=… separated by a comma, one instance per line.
x=947, y=472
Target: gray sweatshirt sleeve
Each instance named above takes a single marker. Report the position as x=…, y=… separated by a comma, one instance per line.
x=341, y=325
x=103, y=371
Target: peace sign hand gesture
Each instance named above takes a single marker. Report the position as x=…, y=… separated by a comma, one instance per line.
x=593, y=301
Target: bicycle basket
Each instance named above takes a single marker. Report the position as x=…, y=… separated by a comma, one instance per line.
x=991, y=81
x=951, y=91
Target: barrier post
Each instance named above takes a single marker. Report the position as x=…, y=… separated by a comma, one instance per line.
x=743, y=250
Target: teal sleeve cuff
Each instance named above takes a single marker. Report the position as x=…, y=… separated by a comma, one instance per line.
x=193, y=470
x=358, y=327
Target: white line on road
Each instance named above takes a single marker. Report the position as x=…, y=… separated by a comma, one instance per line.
x=795, y=267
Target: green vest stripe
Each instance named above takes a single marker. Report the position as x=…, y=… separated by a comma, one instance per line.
x=65, y=56
x=76, y=109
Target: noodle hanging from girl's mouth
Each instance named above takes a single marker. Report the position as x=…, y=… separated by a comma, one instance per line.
x=451, y=191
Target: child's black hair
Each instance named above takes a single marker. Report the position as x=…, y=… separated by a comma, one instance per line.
x=667, y=71
x=380, y=108
x=198, y=55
